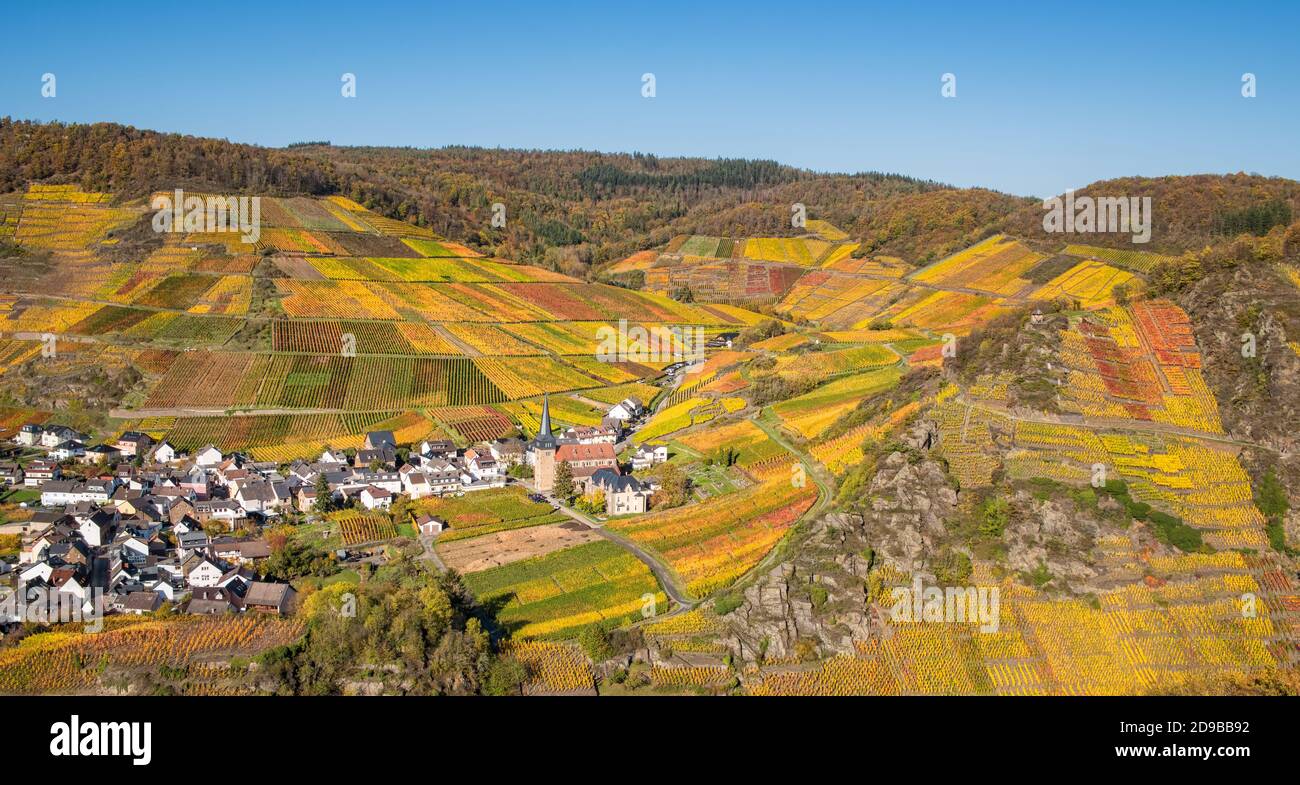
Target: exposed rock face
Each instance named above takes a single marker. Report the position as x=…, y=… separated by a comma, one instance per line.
x=818, y=599
x=816, y=603
x=908, y=506
x=1053, y=534
x=1259, y=396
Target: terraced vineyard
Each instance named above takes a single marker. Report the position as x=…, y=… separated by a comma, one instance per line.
x=1135, y=639
x=55, y=662
x=712, y=544
x=339, y=321
x=554, y=596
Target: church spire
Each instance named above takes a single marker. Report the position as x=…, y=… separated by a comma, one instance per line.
x=544, y=439
x=546, y=415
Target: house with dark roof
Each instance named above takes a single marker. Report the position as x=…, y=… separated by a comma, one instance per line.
x=269, y=597
x=378, y=440
x=134, y=444
x=213, y=600
x=142, y=602
x=10, y=473
x=240, y=551
x=624, y=494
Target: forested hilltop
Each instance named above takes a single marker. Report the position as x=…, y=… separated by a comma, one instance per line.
x=571, y=210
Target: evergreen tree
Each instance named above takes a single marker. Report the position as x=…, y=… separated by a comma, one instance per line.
x=564, y=481
x=324, y=499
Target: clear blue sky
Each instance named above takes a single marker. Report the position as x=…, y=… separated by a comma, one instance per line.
x=1049, y=95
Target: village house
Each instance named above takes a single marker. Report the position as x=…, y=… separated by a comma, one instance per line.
x=269, y=597
x=414, y=482
x=190, y=541
x=379, y=440
x=439, y=448
x=389, y=481
x=224, y=510
x=626, y=409
x=443, y=477
x=139, y=603
x=263, y=496
x=164, y=453
x=624, y=495
x=240, y=551
x=66, y=451
x=96, y=525
x=380, y=457
x=508, y=451
x=58, y=493
x=214, y=600
x=55, y=435
x=648, y=455
x=482, y=466
x=38, y=472
x=133, y=444
x=333, y=458
x=101, y=455
x=11, y=473
x=201, y=571
x=587, y=434
x=208, y=457
x=373, y=498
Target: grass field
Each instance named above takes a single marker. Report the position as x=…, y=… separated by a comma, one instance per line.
x=556, y=595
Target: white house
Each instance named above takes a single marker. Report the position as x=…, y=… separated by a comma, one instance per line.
x=164, y=453
x=624, y=494
x=415, y=484
x=29, y=435
x=68, y=450
x=443, y=477
x=95, y=528
x=590, y=434
x=57, y=434
x=37, y=473
x=373, y=498
x=648, y=455
x=208, y=457
x=626, y=409
x=333, y=457
x=203, y=572
x=59, y=493
x=389, y=481
x=483, y=466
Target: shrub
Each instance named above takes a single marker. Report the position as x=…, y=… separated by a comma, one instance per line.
x=594, y=640
x=727, y=603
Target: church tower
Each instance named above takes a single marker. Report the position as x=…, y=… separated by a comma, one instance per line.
x=543, y=448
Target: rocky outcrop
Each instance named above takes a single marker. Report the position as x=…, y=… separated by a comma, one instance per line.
x=1053, y=534
x=814, y=604
x=817, y=603
x=908, y=504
